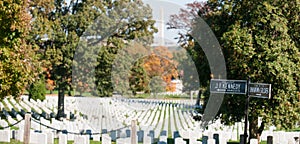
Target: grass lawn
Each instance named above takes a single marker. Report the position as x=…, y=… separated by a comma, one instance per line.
x=170, y=96
x=97, y=142
x=12, y=141
x=237, y=142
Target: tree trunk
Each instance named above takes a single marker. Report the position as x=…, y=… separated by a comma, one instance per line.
x=29, y=96
x=260, y=130
x=70, y=91
x=198, y=98
x=254, y=130
x=61, y=97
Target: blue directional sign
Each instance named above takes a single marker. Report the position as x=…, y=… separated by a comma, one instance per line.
x=228, y=86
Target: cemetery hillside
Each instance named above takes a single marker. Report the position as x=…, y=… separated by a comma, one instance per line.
x=149, y=72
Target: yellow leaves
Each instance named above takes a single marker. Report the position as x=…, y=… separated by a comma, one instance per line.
x=160, y=63
x=18, y=60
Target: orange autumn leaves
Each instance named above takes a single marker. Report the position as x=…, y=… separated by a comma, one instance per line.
x=160, y=63
x=50, y=84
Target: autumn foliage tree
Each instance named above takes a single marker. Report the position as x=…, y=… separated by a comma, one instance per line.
x=159, y=63
x=50, y=84
x=18, y=62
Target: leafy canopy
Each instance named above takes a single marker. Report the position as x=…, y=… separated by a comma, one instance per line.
x=260, y=40
x=18, y=62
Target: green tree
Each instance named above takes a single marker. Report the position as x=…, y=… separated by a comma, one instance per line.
x=157, y=85
x=131, y=22
x=37, y=90
x=139, y=80
x=59, y=26
x=84, y=63
x=265, y=51
x=56, y=29
x=187, y=71
x=260, y=40
x=18, y=62
x=126, y=61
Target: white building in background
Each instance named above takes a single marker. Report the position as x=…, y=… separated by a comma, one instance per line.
x=178, y=86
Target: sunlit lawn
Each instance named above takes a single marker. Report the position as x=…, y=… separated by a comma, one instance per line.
x=55, y=142
x=94, y=142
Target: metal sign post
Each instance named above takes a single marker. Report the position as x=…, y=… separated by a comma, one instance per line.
x=243, y=87
x=246, y=113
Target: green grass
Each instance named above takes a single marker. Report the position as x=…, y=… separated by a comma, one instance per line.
x=56, y=92
x=297, y=129
x=12, y=141
x=293, y=130
x=237, y=142
x=142, y=96
x=139, y=96
x=170, y=96
x=5, y=106
x=183, y=96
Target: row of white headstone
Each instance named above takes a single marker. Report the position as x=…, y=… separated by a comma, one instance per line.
x=152, y=115
x=48, y=138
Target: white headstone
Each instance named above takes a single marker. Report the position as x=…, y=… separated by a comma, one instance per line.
x=38, y=138
x=222, y=140
x=87, y=139
x=3, y=123
x=4, y=135
x=147, y=140
x=234, y=136
x=253, y=141
x=179, y=141
x=20, y=135
x=120, y=141
x=19, y=117
x=184, y=133
x=96, y=138
x=50, y=138
x=80, y=140
x=264, y=135
x=279, y=137
x=62, y=139
x=106, y=139
x=282, y=137
x=195, y=134
x=194, y=141
x=211, y=141
x=71, y=137
x=163, y=139
x=128, y=140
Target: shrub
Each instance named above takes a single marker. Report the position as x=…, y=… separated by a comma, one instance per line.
x=37, y=90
